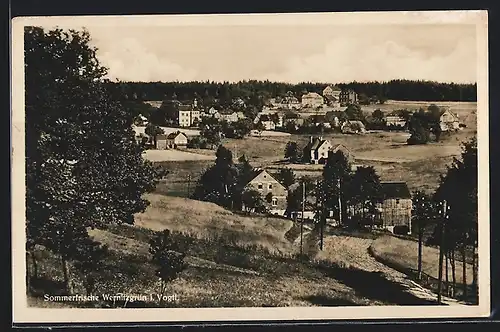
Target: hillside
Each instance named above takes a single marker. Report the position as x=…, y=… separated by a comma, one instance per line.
x=207, y=220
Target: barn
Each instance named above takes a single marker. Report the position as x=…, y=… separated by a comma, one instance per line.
x=395, y=207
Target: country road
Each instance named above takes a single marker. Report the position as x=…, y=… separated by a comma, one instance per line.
x=354, y=252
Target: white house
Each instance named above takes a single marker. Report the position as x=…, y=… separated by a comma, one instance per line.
x=312, y=99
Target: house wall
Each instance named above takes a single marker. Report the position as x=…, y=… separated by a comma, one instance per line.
x=184, y=118
x=395, y=212
x=312, y=101
x=161, y=144
x=180, y=140
x=262, y=185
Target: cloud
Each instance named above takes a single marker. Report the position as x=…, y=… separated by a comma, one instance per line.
x=347, y=59
x=128, y=60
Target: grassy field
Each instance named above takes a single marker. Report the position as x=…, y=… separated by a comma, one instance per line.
x=206, y=220
x=255, y=257
x=404, y=255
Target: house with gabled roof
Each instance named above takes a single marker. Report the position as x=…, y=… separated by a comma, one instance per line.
x=271, y=190
x=176, y=139
x=318, y=149
x=395, y=206
x=448, y=120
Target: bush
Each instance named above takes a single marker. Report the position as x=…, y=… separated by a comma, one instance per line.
x=401, y=230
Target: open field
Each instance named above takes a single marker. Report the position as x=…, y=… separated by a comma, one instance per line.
x=203, y=220
x=175, y=155
x=251, y=256
x=403, y=255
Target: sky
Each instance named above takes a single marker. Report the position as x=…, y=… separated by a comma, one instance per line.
x=288, y=52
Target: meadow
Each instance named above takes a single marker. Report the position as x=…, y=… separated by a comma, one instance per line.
x=232, y=260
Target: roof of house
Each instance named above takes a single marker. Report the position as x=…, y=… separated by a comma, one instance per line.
x=395, y=190
x=334, y=88
x=354, y=122
x=448, y=111
x=315, y=144
x=184, y=107
x=161, y=137
x=263, y=173
x=174, y=135
x=312, y=95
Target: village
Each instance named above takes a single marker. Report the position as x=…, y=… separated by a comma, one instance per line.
x=327, y=113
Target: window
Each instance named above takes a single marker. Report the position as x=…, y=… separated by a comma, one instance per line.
x=274, y=202
x=397, y=200
x=259, y=185
x=270, y=186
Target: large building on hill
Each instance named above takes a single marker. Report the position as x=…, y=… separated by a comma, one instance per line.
x=395, y=208
x=348, y=97
x=272, y=192
x=312, y=99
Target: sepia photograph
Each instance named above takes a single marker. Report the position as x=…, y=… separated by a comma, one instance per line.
x=250, y=167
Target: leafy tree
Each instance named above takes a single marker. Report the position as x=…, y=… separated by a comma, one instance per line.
x=286, y=177
x=292, y=152
x=363, y=193
x=168, y=260
x=354, y=112
x=336, y=174
x=219, y=184
x=242, y=127
x=211, y=131
x=84, y=167
x=259, y=126
x=153, y=131
x=419, y=133
x=459, y=188
x=378, y=115
x=89, y=262
x=252, y=200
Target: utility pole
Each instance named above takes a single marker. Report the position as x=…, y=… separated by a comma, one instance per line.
x=302, y=219
x=188, y=184
x=340, y=205
x=441, y=251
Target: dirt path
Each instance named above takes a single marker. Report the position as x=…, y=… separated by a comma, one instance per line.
x=354, y=252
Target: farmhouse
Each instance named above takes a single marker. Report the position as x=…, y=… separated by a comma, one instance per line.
x=318, y=150
x=229, y=116
x=353, y=127
x=175, y=140
x=348, y=97
x=394, y=121
x=312, y=99
x=273, y=193
x=395, y=208
x=266, y=121
x=288, y=101
x=332, y=91
x=161, y=142
x=448, y=121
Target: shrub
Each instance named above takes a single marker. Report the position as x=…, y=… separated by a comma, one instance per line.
x=401, y=230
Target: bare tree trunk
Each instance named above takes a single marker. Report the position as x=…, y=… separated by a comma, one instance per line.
x=464, y=270
x=474, y=269
x=420, y=248
x=453, y=272
x=67, y=277
x=447, y=282
x=34, y=263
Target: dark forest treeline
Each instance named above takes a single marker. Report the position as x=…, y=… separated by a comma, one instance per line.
x=395, y=89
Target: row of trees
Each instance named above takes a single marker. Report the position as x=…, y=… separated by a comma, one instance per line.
x=84, y=168
x=346, y=196
x=452, y=211
x=257, y=92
